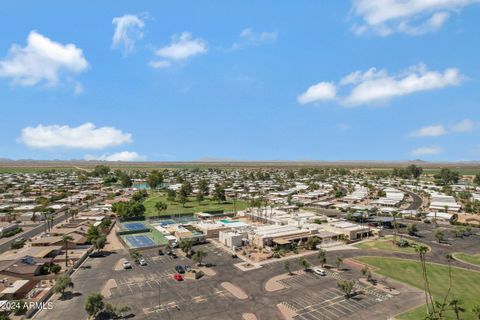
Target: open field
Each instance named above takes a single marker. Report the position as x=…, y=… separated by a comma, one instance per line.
x=467, y=168
x=466, y=284
x=473, y=259
x=191, y=206
x=385, y=245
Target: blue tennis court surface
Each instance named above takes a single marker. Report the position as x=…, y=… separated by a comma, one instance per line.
x=134, y=226
x=140, y=241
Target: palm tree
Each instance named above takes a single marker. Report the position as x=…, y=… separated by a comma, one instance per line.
x=286, y=265
x=304, y=263
x=186, y=246
x=395, y=227
x=66, y=238
x=338, y=262
x=422, y=250
x=73, y=213
x=449, y=258
x=50, y=222
x=476, y=310
x=198, y=256
x=456, y=307
x=322, y=257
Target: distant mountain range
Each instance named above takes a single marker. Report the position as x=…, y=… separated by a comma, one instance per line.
x=205, y=162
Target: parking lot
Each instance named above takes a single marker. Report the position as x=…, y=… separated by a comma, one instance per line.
x=326, y=301
x=153, y=293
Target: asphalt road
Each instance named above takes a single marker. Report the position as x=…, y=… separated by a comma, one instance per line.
x=59, y=217
x=417, y=200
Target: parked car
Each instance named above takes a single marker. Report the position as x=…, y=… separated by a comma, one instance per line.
x=319, y=272
x=127, y=265
x=209, y=265
x=143, y=262
x=180, y=269
x=177, y=277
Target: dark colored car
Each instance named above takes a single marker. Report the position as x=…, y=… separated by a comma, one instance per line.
x=180, y=269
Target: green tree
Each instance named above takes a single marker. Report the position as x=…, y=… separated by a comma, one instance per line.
x=305, y=264
x=476, y=310
x=100, y=243
x=125, y=180
x=160, y=206
x=219, y=193
x=73, y=213
x=154, y=179
x=203, y=187
x=430, y=305
x=62, y=283
x=66, y=239
x=182, y=196
x=186, y=246
x=322, y=257
x=100, y=171
x=338, y=262
x=92, y=234
x=346, y=286
x=171, y=195
x=200, y=197
x=94, y=304
x=456, y=305
x=447, y=176
x=115, y=312
x=439, y=234
x=412, y=229
x=198, y=256
x=366, y=273
x=286, y=265
x=312, y=243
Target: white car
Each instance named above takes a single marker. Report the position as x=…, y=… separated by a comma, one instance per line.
x=319, y=272
x=127, y=265
x=143, y=262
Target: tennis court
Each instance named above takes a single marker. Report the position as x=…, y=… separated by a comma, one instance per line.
x=140, y=241
x=134, y=226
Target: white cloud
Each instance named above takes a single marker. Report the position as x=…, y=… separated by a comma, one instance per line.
x=412, y=17
x=118, y=156
x=249, y=37
x=41, y=61
x=377, y=86
x=182, y=47
x=320, y=92
x=85, y=136
x=430, y=131
x=424, y=151
x=464, y=126
x=128, y=29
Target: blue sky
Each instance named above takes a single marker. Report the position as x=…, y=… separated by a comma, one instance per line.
x=244, y=80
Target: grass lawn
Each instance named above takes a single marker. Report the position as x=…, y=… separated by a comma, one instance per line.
x=466, y=284
x=385, y=245
x=191, y=206
x=473, y=259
